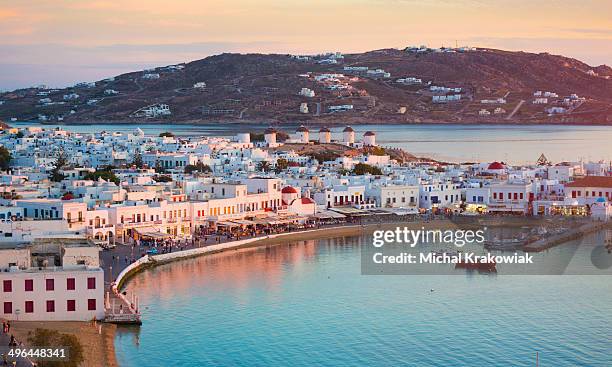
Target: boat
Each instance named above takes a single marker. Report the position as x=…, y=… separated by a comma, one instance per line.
x=481, y=266
x=444, y=252
x=505, y=244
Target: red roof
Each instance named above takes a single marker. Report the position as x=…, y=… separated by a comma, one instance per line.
x=592, y=181
x=307, y=201
x=289, y=190
x=496, y=165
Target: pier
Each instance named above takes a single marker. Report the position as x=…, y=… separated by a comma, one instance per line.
x=572, y=234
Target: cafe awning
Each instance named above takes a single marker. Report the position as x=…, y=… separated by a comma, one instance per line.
x=153, y=232
x=227, y=224
x=243, y=222
x=328, y=214
x=348, y=211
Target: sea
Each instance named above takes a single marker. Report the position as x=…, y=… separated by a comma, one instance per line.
x=515, y=144
x=307, y=303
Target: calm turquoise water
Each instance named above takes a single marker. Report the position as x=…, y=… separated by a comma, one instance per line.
x=307, y=304
x=515, y=144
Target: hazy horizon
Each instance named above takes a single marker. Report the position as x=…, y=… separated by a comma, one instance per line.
x=59, y=43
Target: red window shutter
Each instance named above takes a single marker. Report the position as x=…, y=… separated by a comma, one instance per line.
x=50, y=284
x=29, y=306
x=91, y=304
x=29, y=285
x=71, y=305
x=91, y=283
x=7, y=285
x=70, y=284
x=8, y=307
x=50, y=306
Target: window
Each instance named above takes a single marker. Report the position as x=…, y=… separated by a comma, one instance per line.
x=29, y=285
x=91, y=304
x=70, y=284
x=51, y=306
x=91, y=283
x=7, y=285
x=8, y=307
x=50, y=284
x=494, y=195
x=29, y=306
x=522, y=196
x=70, y=305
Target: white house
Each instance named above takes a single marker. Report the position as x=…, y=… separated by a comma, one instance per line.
x=51, y=280
x=394, y=196
x=510, y=197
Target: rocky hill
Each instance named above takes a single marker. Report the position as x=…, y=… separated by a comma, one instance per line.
x=390, y=86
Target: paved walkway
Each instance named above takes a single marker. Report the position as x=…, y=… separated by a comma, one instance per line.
x=4, y=342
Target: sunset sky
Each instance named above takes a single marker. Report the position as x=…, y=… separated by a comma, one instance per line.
x=59, y=42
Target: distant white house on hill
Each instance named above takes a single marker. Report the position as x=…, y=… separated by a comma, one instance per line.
x=152, y=111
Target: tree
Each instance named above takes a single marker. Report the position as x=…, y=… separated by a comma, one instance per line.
x=137, y=162
x=324, y=156
x=162, y=178
x=255, y=137
x=159, y=168
x=281, y=164
x=60, y=163
x=46, y=338
x=166, y=134
x=105, y=174
x=264, y=166
x=362, y=169
x=198, y=167
x=5, y=158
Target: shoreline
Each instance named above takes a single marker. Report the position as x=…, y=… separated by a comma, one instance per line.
x=146, y=262
x=317, y=123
